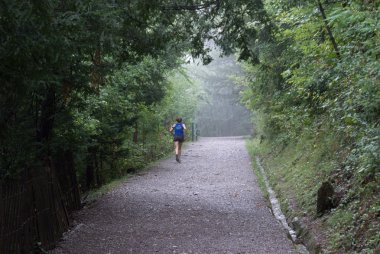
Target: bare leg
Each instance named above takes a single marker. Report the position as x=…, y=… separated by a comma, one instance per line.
x=177, y=150
x=177, y=147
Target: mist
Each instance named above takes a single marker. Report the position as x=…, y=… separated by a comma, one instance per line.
x=220, y=113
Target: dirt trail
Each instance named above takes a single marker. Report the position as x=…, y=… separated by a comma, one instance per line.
x=210, y=203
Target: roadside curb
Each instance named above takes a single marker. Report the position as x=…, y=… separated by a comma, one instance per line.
x=305, y=236
x=302, y=238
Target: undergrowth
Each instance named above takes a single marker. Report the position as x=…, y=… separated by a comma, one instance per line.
x=253, y=148
x=297, y=170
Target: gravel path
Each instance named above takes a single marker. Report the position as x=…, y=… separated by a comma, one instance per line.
x=210, y=203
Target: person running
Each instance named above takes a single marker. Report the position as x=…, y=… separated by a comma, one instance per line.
x=178, y=130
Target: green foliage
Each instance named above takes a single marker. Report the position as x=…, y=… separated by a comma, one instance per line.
x=81, y=82
x=97, y=78
x=84, y=75
x=318, y=74
x=127, y=122
x=297, y=170
x=76, y=73
x=183, y=97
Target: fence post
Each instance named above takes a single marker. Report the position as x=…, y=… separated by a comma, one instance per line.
x=196, y=132
x=192, y=132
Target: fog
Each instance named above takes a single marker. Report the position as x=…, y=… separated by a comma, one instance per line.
x=220, y=113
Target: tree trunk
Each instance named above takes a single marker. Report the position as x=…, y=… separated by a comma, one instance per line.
x=90, y=171
x=97, y=169
x=96, y=75
x=46, y=118
x=73, y=183
x=136, y=134
x=328, y=28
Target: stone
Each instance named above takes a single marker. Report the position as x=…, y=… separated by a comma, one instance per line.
x=325, y=198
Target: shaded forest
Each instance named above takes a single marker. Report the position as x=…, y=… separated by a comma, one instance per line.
x=89, y=88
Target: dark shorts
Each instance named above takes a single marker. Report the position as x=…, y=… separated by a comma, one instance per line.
x=179, y=138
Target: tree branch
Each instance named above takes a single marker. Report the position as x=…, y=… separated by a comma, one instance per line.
x=176, y=7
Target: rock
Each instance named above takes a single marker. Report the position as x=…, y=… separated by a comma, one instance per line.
x=305, y=236
x=298, y=226
x=377, y=250
x=131, y=170
x=325, y=198
x=262, y=138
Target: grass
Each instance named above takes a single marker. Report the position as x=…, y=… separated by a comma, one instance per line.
x=299, y=170
x=95, y=194
x=337, y=220
x=296, y=172
x=253, y=148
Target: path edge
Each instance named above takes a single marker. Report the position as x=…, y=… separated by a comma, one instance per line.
x=302, y=238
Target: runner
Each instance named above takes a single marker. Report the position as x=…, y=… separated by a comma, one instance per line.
x=178, y=130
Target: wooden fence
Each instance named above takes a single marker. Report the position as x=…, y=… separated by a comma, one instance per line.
x=34, y=209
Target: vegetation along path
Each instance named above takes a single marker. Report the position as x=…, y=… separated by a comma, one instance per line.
x=210, y=203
